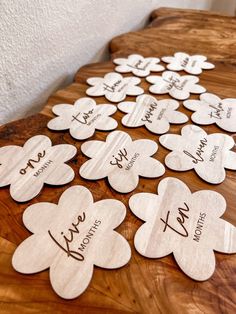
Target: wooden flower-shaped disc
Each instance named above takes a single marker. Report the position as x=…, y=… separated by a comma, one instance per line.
x=83, y=118
x=114, y=86
x=190, y=64
x=185, y=224
x=138, y=65
x=175, y=85
x=155, y=114
x=211, y=109
x=70, y=238
x=121, y=160
x=27, y=168
x=208, y=155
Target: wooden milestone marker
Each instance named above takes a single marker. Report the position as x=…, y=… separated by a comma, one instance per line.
x=185, y=224
x=194, y=149
x=70, y=238
x=122, y=160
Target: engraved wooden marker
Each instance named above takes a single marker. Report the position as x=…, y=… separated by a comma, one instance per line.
x=194, y=149
x=211, y=109
x=138, y=65
x=175, y=85
x=155, y=114
x=70, y=238
x=83, y=118
x=190, y=64
x=27, y=168
x=185, y=224
x=114, y=86
x=121, y=160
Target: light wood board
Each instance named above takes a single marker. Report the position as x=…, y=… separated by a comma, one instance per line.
x=208, y=155
x=121, y=160
x=83, y=118
x=114, y=86
x=185, y=224
x=184, y=62
x=155, y=114
x=138, y=65
x=211, y=109
x=70, y=238
x=27, y=168
x=177, y=86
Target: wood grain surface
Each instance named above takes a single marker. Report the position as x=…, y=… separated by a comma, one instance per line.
x=144, y=285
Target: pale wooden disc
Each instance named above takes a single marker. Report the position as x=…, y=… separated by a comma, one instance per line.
x=208, y=155
x=121, y=160
x=71, y=237
x=155, y=114
x=190, y=64
x=138, y=65
x=185, y=224
x=211, y=109
x=83, y=118
x=175, y=85
x=27, y=168
x=114, y=86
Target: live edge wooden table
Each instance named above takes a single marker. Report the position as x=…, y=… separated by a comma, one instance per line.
x=144, y=285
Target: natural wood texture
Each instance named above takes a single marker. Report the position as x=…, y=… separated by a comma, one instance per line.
x=143, y=286
x=27, y=168
x=185, y=224
x=208, y=155
x=211, y=109
x=121, y=160
x=177, y=86
x=114, y=86
x=155, y=115
x=83, y=118
x=190, y=64
x=71, y=237
x=138, y=65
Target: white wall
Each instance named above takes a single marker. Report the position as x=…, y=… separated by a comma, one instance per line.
x=44, y=42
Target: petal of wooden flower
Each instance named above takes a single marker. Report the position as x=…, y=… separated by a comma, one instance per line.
x=62, y=109
x=69, y=277
x=110, y=210
x=223, y=140
x=62, y=152
x=193, y=104
x=210, y=99
x=144, y=205
x=93, y=170
x=190, y=131
x=150, y=168
x=113, y=76
x=202, y=117
x=127, y=106
x=22, y=191
x=123, y=68
x=177, y=187
x=154, y=79
x=179, y=94
x=230, y=160
x=134, y=90
x=106, y=109
x=34, y=254
x=161, y=88
x=170, y=104
x=214, y=203
x=197, y=89
x=61, y=174
x=141, y=73
x=174, y=66
x=197, y=264
x=161, y=127
x=168, y=59
x=95, y=81
x=157, y=68
x=45, y=215
x=38, y=142
x=131, y=180
x=196, y=70
x=153, y=242
x=178, y=161
x=176, y=117
x=81, y=133
x=120, y=61
x=199, y=58
x=58, y=124
x=96, y=90
x=113, y=251
x=172, y=141
x=207, y=66
x=92, y=148
x=147, y=147
x=225, y=241
x=214, y=175
x=106, y=124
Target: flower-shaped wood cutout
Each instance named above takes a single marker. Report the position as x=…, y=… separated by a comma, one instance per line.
x=138, y=65
x=27, y=168
x=155, y=114
x=114, y=86
x=190, y=64
x=70, y=238
x=121, y=160
x=185, y=224
x=83, y=118
x=177, y=86
x=211, y=109
x=208, y=155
